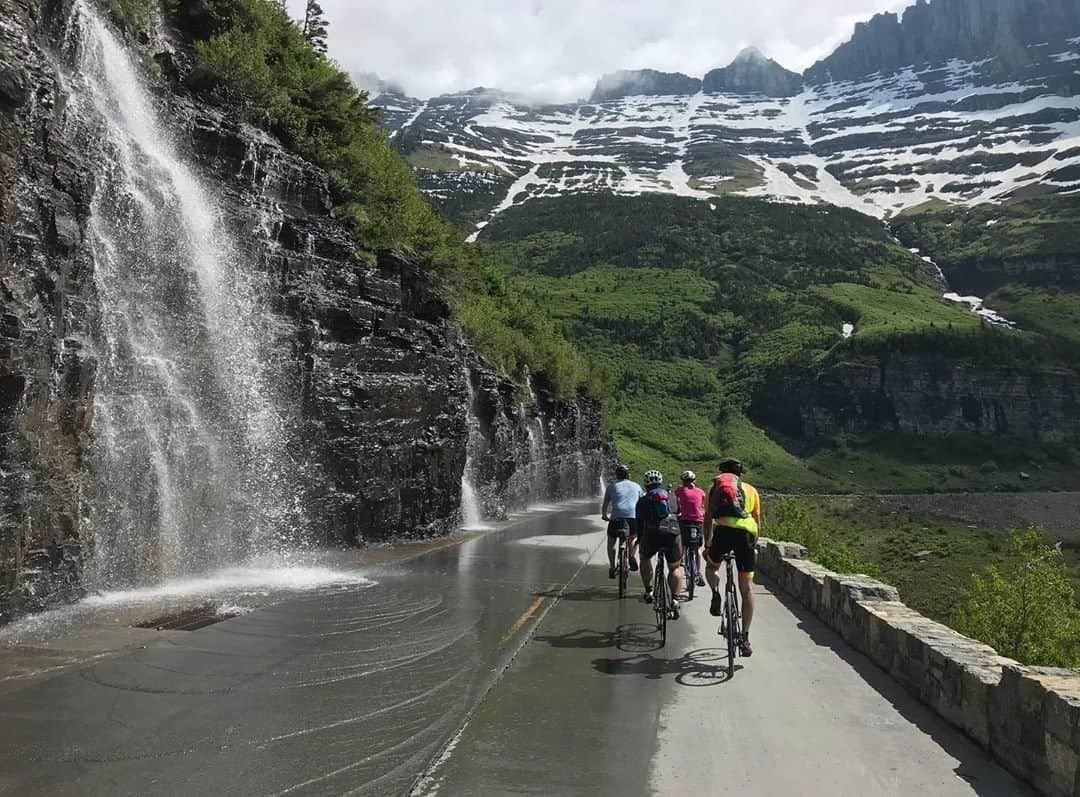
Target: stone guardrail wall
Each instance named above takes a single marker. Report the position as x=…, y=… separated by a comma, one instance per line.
x=1028, y=718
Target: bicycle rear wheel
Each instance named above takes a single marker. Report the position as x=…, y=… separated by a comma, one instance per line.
x=690, y=568
x=660, y=604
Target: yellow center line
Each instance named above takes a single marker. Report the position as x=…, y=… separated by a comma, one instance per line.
x=522, y=620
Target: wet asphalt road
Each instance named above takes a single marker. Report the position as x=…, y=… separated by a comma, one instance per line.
x=357, y=690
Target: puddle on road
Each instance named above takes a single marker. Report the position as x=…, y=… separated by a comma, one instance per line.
x=233, y=590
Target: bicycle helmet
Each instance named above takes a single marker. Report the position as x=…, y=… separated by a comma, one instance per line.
x=688, y=476
x=731, y=465
x=653, y=478
x=622, y=472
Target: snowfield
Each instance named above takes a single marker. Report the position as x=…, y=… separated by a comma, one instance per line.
x=947, y=132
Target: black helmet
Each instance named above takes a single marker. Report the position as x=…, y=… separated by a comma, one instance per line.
x=730, y=465
x=622, y=472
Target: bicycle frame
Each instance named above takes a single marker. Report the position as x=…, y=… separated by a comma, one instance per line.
x=691, y=566
x=623, y=561
x=731, y=625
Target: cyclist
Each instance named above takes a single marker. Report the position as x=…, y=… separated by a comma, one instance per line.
x=657, y=535
x=690, y=502
x=734, y=519
x=620, y=507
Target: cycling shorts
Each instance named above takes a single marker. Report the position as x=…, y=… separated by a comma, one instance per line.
x=618, y=528
x=654, y=541
x=737, y=541
x=691, y=533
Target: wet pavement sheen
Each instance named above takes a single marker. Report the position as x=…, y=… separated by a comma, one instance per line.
x=358, y=689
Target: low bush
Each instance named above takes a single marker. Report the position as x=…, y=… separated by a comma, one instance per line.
x=1026, y=608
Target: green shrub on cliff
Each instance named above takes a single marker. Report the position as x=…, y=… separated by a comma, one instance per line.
x=254, y=60
x=1027, y=609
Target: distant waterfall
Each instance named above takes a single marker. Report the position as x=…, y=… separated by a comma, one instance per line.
x=472, y=514
x=189, y=456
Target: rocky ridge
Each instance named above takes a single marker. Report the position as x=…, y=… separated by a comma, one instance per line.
x=930, y=109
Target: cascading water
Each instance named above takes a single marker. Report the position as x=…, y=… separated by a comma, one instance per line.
x=472, y=516
x=190, y=455
x=537, y=454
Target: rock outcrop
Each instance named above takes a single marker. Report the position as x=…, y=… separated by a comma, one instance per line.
x=970, y=30
x=925, y=395
x=752, y=73
x=647, y=82
x=376, y=368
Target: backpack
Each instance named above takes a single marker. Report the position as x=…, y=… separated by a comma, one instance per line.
x=727, y=499
x=657, y=499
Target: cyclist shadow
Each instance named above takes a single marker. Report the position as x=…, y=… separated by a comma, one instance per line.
x=629, y=638
x=587, y=594
x=704, y=667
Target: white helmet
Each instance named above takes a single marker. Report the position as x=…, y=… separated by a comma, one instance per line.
x=688, y=476
x=653, y=478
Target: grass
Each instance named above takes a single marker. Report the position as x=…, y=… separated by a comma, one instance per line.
x=878, y=311
x=897, y=462
x=1051, y=311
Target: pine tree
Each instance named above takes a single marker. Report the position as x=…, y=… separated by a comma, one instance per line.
x=315, y=25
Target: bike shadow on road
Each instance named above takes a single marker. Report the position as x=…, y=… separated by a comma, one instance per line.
x=986, y=778
x=703, y=667
x=628, y=637
x=585, y=595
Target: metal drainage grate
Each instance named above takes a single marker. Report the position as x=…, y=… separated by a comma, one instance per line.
x=187, y=620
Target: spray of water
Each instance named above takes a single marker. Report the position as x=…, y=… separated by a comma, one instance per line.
x=189, y=454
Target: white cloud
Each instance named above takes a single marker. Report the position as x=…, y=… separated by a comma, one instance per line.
x=558, y=48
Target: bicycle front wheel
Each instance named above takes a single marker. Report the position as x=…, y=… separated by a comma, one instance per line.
x=624, y=569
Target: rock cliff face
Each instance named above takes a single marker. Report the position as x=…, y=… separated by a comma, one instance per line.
x=643, y=81
x=970, y=30
x=752, y=73
x=926, y=395
x=375, y=370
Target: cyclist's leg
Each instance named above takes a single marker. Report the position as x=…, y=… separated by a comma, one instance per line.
x=612, y=538
x=632, y=545
x=647, y=553
x=746, y=561
x=676, y=575
x=712, y=573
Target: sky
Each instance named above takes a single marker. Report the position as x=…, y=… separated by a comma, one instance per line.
x=557, y=49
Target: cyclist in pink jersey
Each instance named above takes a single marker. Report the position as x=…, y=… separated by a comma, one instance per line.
x=691, y=512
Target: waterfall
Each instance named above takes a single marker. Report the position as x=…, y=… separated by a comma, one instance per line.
x=472, y=515
x=189, y=452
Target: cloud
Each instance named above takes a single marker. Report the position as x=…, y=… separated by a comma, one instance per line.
x=559, y=48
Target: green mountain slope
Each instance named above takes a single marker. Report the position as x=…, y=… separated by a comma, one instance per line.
x=704, y=315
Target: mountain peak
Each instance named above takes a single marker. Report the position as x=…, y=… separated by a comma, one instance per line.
x=752, y=54
x=935, y=32
x=752, y=72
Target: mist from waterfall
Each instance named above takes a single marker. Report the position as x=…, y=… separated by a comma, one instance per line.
x=189, y=460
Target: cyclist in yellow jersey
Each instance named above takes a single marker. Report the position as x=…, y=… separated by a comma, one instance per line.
x=733, y=530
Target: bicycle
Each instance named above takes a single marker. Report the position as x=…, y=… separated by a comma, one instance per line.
x=623, y=557
x=731, y=624
x=691, y=562
x=661, y=603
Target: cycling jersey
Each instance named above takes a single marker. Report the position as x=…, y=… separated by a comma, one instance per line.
x=622, y=497
x=691, y=503
x=752, y=507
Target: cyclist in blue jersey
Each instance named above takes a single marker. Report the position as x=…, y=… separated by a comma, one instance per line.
x=620, y=507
